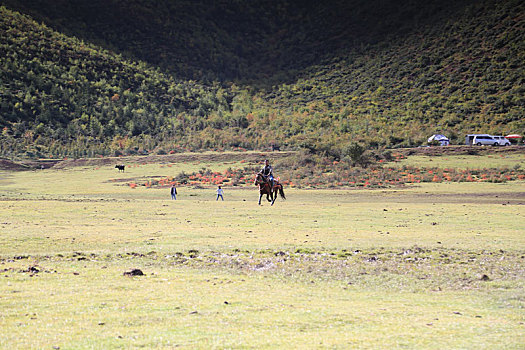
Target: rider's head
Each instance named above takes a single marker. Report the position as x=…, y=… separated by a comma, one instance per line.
x=267, y=162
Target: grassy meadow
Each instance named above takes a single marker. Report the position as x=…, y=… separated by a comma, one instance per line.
x=508, y=160
x=438, y=265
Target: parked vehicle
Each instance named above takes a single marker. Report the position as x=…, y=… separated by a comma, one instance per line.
x=480, y=140
x=502, y=141
x=484, y=140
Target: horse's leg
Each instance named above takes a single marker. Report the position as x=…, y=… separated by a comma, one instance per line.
x=274, y=195
x=268, y=193
x=281, y=192
x=269, y=196
x=260, y=196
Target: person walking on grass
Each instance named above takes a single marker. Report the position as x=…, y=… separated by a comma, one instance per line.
x=173, y=192
x=219, y=193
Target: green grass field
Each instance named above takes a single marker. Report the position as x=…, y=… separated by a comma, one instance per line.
x=430, y=266
x=466, y=161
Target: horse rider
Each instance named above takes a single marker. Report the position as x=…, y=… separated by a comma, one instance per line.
x=267, y=173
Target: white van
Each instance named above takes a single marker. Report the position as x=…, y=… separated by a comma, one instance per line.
x=502, y=141
x=485, y=139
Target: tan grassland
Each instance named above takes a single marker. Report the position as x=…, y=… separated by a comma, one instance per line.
x=429, y=266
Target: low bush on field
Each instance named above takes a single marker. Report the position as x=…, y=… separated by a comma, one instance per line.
x=317, y=172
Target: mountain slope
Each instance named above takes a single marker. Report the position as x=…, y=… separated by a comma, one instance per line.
x=458, y=77
x=56, y=90
x=255, y=41
x=352, y=75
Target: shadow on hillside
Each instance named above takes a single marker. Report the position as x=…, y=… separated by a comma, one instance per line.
x=257, y=42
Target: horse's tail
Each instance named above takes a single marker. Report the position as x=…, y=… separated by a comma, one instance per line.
x=281, y=192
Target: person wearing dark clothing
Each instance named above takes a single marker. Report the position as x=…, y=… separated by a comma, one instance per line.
x=267, y=172
x=173, y=192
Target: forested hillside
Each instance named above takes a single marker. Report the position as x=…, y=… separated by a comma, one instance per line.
x=80, y=78
x=62, y=95
x=252, y=41
x=463, y=75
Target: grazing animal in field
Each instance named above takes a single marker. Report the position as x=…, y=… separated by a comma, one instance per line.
x=265, y=189
x=120, y=167
x=134, y=272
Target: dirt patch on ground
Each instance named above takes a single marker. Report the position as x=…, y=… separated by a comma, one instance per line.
x=70, y=163
x=12, y=166
x=515, y=198
x=273, y=156
x=235, y=157
x=409, y=269
x=174, y=158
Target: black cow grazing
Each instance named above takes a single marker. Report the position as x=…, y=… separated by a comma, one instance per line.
x=120, y=167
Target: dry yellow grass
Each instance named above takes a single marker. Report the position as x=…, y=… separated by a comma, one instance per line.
x=327, y=268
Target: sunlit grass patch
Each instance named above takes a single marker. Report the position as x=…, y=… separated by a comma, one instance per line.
x=86, y=303
x=490, y=161
x=434, y=265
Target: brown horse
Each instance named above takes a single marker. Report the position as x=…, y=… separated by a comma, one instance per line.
x=264, y=188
